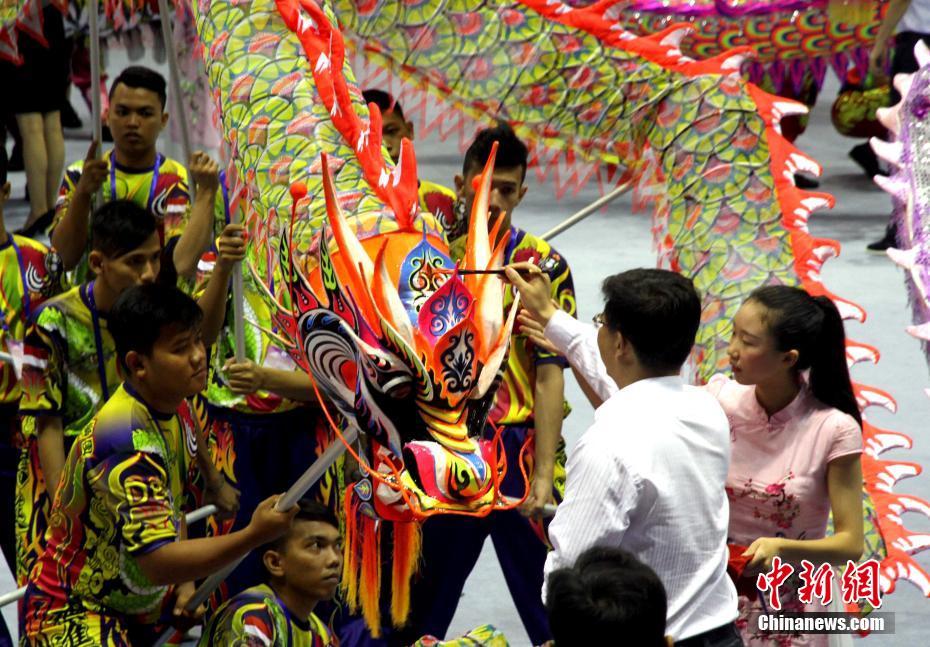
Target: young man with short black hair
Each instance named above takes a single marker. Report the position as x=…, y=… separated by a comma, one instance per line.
x=608, y=597
x=434, y=198
x=116, y=540
x=303, y=567
x=649, y=474
x=135, y=170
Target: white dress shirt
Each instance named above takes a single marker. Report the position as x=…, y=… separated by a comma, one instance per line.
x=648, y=477
x=916, y=18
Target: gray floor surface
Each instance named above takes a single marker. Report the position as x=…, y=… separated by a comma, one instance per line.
x=619, y=239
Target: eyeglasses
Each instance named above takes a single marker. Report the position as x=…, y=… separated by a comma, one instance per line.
x=599, y=319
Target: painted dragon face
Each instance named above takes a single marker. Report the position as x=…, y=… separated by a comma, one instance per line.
x=409, y=352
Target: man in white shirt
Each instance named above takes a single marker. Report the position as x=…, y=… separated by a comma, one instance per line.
x=648, y=476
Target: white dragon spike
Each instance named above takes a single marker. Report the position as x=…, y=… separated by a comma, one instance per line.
x=893, y=185
x=903, y=83
x=906, y=258
x=921, y=331
x=922, y=53
x=890, y=118
x=891, y=152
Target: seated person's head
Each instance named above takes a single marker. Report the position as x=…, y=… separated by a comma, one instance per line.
x=305, y=564
x=393, y=125
x=157, y=333
x=137, y=115
x=649, y=322
x=607, y=598
x=507, y=188
x=125, y=247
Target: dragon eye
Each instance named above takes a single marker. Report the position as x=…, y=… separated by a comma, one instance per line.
x=401, y=391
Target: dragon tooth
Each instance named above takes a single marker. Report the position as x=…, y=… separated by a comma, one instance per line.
x=903, y=83
x=674, y=37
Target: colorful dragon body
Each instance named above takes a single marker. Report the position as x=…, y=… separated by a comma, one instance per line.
x=791, y=40
x=364, y=290
x=367, y=298
x=700, y=144
x=909, y=186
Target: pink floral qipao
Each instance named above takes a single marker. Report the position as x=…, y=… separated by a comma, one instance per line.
x=777, y=482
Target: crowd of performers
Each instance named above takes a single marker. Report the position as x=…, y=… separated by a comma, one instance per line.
x=126, y=408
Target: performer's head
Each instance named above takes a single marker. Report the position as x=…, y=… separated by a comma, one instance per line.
x=607, y=598
x=507, y=188
x=137, y=115
x=125, y=248
x=648, y=325
x=781, y=331
x=394, y=127
x=159, y=344
x=305, y=564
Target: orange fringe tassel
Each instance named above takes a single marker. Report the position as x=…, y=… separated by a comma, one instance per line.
x=406, y=556
x=369, y=588
x=361, y=580
x=351, y=552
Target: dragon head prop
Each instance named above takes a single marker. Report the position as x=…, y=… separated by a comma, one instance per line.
x=407, y=350
x=404, y=347
x=365, y=295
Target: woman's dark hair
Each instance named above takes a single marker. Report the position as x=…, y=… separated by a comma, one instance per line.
x=607, y=598
x=139, y=76
x=657, y=311
x=511, y=151
x=142, y=313
x=813, y=327
x=118, y=227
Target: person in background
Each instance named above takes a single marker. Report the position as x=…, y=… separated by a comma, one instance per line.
x=117, y=562
x=134, y=170
x=262, y=421
x=35, y=90
x=303, y=567
x=434, y=198
x=608, y=597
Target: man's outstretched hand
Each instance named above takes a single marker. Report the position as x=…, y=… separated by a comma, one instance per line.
x=534, y=288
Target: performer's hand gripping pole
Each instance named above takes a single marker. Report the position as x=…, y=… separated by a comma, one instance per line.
x=290, y=498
